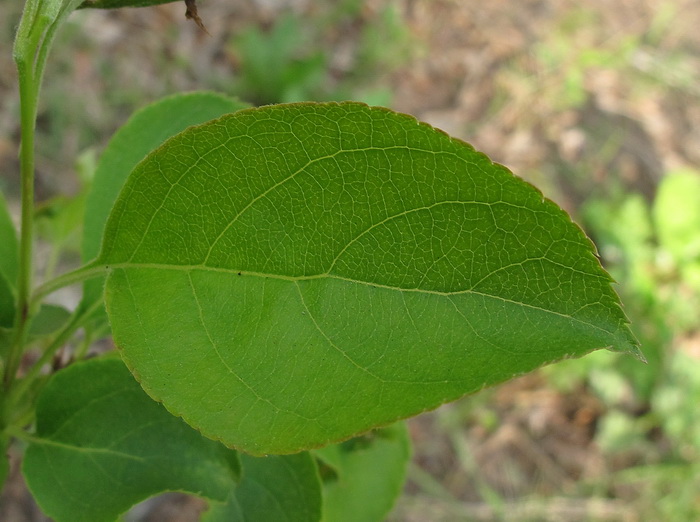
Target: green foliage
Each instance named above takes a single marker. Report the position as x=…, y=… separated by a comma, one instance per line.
x=288, y=62
x=274, y=488
x=145, y=131
x=364, y=475
x=376, y=235
x=102, y=445
x=281, y=278
x=649, y=249
x=8, y=266
x=274, y=67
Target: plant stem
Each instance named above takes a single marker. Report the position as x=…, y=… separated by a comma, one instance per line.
x=28, y=92
x=78, y=319
x=37, y=29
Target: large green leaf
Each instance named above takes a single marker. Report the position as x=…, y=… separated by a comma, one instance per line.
x=367, y=475
x=293, y=275
x=146, y=130
x=282, y=488
x=102, y=445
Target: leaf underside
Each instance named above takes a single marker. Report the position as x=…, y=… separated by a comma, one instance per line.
x=368, y=475
x=293, y=275
x=278, y=488
x=102, y=445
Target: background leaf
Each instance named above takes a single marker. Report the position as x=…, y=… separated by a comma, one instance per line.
x=677, y=215
x=294, y=275
x=102, y=446
x=9, y=265
x=9, y=247
x=367, y=475
x=273, y=489
x=145, y=131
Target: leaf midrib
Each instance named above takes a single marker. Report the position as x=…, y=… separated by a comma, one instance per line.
x=293, y=279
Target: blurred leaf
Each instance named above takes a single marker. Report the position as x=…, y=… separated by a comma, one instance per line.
x=9, y=248
x=273, y=489
x=677, y=215
x=59, y=220
x=144, y=131
x=309, y=272
x=4, y=461
x=102, y=445
x=48, y=320
x=7, y=304
x=369, y=475
x=275, y=65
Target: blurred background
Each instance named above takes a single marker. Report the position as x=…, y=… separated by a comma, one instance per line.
x=597, y=103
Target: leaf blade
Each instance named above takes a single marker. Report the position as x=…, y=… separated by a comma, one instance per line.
x=341, y=282
x=145, y=130
x=369, y=475
x=274, y=488
x=102, y=445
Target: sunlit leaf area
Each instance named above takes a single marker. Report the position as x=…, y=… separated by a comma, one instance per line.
x=597, y=104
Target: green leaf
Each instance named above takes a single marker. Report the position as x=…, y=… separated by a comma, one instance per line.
x=4, y=460
x=677, y=215
x=102, y=445
x=145, y=131
x=273, y=489
x=48, y=320
x=9, y=265
x=368, y=475
x=294, y=275
x=7, y=304
x=9, y=248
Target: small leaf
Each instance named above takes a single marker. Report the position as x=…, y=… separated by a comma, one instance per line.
x=293, y=275
x=9, y=248
x=368, y=475
x=102, y=446
x=273, y=489
x=48, y=320
x=146, y=130
x=7, y=304
x=9, y=266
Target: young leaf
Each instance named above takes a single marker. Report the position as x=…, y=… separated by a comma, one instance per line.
x=145, y=131
x=293, y=275
x=48, y=320
x=102, y=446
x=7, y=304
x=368, y=475
x=9, y=258
x=9, y=266
x=273, y=489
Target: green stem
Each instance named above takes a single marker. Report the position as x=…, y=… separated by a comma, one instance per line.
x=28, y=109
x=36, y=32
x=78, y=319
